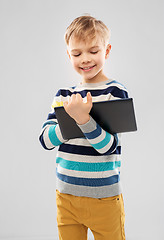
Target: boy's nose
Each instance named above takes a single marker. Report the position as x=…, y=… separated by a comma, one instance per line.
x=85, y=59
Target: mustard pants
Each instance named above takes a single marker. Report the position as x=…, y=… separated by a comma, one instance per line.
x=105, y=217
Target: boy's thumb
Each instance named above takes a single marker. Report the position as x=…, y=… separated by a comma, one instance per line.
x=89, y=98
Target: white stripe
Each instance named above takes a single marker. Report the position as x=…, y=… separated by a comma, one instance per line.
x=60, y=99
x=81, y=87
x=51, y=120
x=95, y=99
x=47, y=125
x=85, y=142
x=59, y=134
x=46, y=139
x=82, y=174
x=89, y=159
x=114, y=98
x=98, y=87
x=107, y=147
x=99, y=138
x=79, y=142
x=101, y=87
x=101, y=98
x=118, y=85
x=119, y=135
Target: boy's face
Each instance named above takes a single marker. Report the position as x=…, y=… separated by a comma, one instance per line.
x=88, y=58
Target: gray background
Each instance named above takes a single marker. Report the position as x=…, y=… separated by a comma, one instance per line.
x=33, y=66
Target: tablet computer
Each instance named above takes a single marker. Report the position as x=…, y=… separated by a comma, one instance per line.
x=114, y=116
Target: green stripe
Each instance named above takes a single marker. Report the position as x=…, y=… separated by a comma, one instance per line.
x=88, y=167
x=53, y=137
x=103, y=143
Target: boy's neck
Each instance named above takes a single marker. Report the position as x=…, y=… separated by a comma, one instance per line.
x=100, y=77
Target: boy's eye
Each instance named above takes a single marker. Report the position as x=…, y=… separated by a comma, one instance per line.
x=94, y=52
x=76, y=55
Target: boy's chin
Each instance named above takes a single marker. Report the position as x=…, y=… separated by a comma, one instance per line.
x=89, y=79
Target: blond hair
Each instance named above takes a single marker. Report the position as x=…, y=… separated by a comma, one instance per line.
x=86, y=28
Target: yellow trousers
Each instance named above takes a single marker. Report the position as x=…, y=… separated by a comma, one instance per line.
x=105, y=217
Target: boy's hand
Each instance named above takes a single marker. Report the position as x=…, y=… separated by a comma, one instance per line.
x=77, y=109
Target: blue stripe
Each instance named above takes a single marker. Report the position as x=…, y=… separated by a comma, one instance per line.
x=114, y=90
x=53, y=137
x=116, y=83
x=51, y=116
x=116, y=138
x=104, y=142
x=41, y=139
x=113, y=147
x=117, y=151
x=85, y=150
x=94, y=133
x=90, y=182
x=87, y=167
x=49, y=123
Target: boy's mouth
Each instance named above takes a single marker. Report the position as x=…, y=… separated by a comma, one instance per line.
x=86, y=69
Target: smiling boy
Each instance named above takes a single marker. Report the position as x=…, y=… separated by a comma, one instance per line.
x=88, y=58
x=88, y=189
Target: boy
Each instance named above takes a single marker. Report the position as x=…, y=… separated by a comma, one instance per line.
x=88, y=193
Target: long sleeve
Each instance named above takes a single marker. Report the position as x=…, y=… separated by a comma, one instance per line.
x=101, y=140
x=50, y=136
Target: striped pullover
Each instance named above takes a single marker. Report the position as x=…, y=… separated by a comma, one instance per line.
x=87, y=166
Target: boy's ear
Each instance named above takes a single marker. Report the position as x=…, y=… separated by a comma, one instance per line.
x=68, y=54
x=108, y=48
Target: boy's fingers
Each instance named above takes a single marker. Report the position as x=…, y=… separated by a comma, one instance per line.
x=73, y=97
x=78, y=96
x=89, y=97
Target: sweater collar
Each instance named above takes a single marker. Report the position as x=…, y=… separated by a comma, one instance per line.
x=94, y=84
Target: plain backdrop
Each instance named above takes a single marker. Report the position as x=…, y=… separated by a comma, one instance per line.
x=33, y=66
